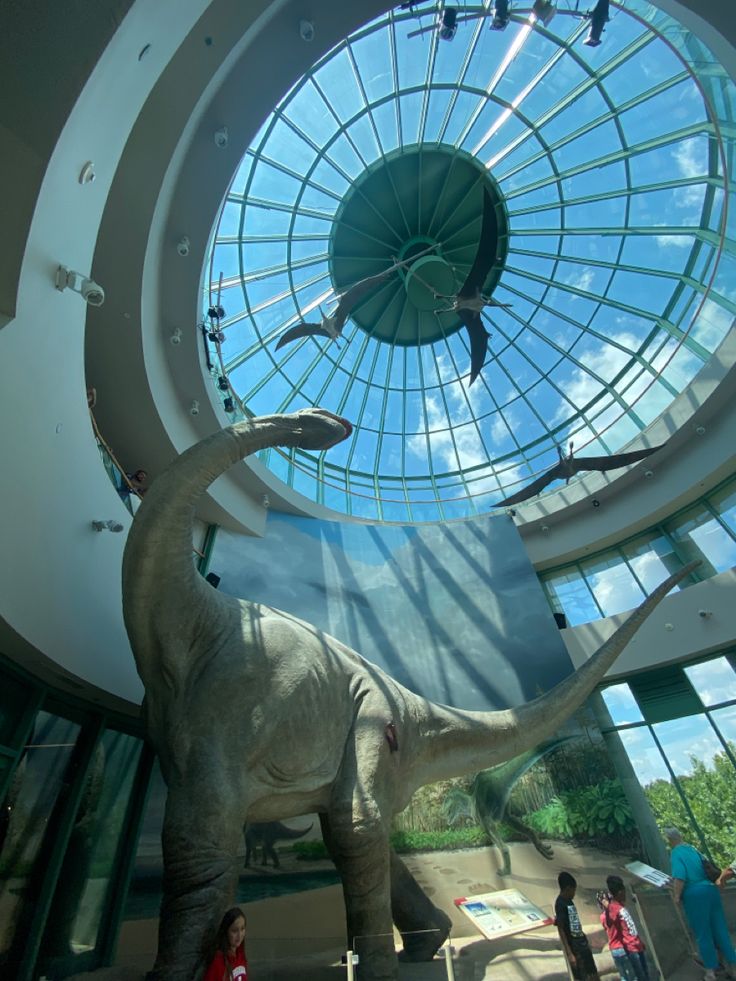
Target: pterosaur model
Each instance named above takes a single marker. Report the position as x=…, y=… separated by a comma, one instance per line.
x=332, y=324
x=469, y=302
x=569, y=465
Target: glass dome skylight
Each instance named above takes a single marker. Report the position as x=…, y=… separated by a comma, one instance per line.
x=608, y=168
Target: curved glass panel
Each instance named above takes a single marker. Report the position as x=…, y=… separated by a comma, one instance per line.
x=605, y=165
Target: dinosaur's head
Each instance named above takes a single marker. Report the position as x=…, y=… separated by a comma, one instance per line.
x=318, y=429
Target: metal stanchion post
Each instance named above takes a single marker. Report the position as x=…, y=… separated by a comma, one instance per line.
x=449, y=966
x=351, y=959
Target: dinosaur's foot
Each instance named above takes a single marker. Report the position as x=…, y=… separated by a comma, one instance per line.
x=422, y=945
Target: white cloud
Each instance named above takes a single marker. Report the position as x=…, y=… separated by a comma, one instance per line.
x=603, y=360
x=690, y=160
x=582, y=280
x=674, y=241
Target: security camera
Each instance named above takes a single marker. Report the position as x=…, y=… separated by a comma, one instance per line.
x=182, y=246
x=222, y=137
x=194, y=408
x=704, y=614
x=176, y=336
x=306, y=30
x=90, y=291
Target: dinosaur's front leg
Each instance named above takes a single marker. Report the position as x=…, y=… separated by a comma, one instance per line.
x=423, y=927
x=201, y=835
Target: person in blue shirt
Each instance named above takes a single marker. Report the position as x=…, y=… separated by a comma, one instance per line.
x=701, y=900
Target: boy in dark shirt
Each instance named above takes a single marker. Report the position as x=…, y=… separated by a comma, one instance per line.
x=574, y=942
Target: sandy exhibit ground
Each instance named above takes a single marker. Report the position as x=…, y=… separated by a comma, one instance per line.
x=300, y=935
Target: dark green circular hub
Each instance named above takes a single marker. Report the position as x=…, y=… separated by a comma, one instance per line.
x=415, y=198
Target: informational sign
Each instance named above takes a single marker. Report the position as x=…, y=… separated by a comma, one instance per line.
x=649, y=874
x=500, y=914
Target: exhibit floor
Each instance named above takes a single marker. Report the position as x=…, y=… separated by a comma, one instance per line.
x=299, y=935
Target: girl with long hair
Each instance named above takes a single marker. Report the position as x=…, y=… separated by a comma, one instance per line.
x=229, y=962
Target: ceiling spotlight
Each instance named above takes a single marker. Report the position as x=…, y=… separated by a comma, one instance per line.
x=107, y=525
x=216, y=312
x=669, y=626
x=183, y=245
x=90, y=291
x=648, y=474
x=266, y=501
x=544, y=11
x=87, y=173
x=700, y=430
x=222, y=137
x=501, y=15
x=544, y=528
x=306, y=30
x=595, y=502
x=598, y=18
x=176, y=336
x=228, y=404
x=194, y=408
x=704, y=614
x=223, y=384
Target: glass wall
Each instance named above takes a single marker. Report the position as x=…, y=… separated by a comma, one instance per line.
x=71, y=789
x=678, y=727
x=618, y=578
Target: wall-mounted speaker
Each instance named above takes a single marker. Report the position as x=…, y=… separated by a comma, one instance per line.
x=560, y=620
x=213, y=579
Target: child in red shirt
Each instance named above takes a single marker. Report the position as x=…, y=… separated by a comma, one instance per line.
x=624, y=941
x=229, y=963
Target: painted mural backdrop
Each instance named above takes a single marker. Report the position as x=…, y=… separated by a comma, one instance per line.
x=454, y=612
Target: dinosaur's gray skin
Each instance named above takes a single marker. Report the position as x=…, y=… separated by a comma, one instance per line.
x=264, y=835
x=259, y=716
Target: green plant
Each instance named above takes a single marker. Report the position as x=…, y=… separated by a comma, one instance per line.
x=599, y=810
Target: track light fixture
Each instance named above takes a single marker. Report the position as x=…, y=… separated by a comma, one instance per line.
x=598, y=18
x=501, y=15
x=543, y=11
x=228, y=404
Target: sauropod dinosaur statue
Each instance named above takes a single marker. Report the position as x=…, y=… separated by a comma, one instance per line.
x=259, y=716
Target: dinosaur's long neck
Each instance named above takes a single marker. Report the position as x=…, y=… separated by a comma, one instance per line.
x=453, y=741
x=158, y=553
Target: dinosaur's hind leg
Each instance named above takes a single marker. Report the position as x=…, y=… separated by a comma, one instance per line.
x=545, y=850
x=423, y=927
x=200, y=840
x=358, y=845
